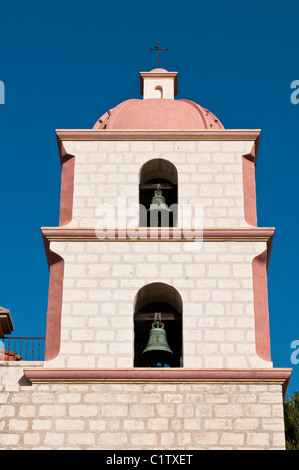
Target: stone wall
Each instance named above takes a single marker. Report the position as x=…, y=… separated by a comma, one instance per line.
x=138, y=416
x=102, y=279
x=209, y=174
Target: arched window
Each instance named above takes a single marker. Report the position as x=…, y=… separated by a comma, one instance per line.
x=158, y=92
x=158, y=179
x=165, y=300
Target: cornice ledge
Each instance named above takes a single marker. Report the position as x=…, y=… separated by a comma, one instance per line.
x=171, y=375
x=215, y=234
x=157, y=134
x=152, y=234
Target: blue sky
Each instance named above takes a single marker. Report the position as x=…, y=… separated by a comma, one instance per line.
x=65, y=63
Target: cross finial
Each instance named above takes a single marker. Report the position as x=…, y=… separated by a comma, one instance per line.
x=158, y=48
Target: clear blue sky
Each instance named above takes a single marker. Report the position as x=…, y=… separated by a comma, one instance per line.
x=64, y=63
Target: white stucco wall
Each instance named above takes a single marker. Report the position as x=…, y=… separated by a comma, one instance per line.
x=102, y=278
x=166, y=84
x=209, y=175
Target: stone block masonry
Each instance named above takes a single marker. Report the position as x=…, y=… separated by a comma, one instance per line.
x=102, y=279
x=128, y=416
x=209, y=174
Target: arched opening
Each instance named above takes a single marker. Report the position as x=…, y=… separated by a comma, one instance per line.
x=164, y=299
x=158, y=92
x=158, y=194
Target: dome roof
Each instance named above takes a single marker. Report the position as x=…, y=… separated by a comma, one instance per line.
x=158, y=70
x=158, y=114
x=158, y=109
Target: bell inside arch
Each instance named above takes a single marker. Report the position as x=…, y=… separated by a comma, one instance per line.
x=157, y=352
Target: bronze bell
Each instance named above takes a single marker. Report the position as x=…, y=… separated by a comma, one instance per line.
x=158, y=201
x=157, y=350
x=158, y=207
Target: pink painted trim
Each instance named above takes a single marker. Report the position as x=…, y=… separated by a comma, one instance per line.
x=53, y=332
x=261, y=313
x=159, y=375
x=67, y=187
x=157, y=134
x=249, y=192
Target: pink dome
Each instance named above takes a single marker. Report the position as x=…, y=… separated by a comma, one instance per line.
x=158, y=70
x=158, y=114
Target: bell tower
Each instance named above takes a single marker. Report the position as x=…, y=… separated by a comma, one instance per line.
x=158, y=280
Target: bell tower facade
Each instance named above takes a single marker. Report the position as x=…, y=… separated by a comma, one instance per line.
x=158, y=215
x=188, y=285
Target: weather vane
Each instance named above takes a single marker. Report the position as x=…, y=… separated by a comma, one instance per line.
x=158, y=48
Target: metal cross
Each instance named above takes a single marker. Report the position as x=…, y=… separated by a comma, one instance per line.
x=158, y=48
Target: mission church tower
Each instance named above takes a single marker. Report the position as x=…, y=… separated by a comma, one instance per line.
x=157, y=324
